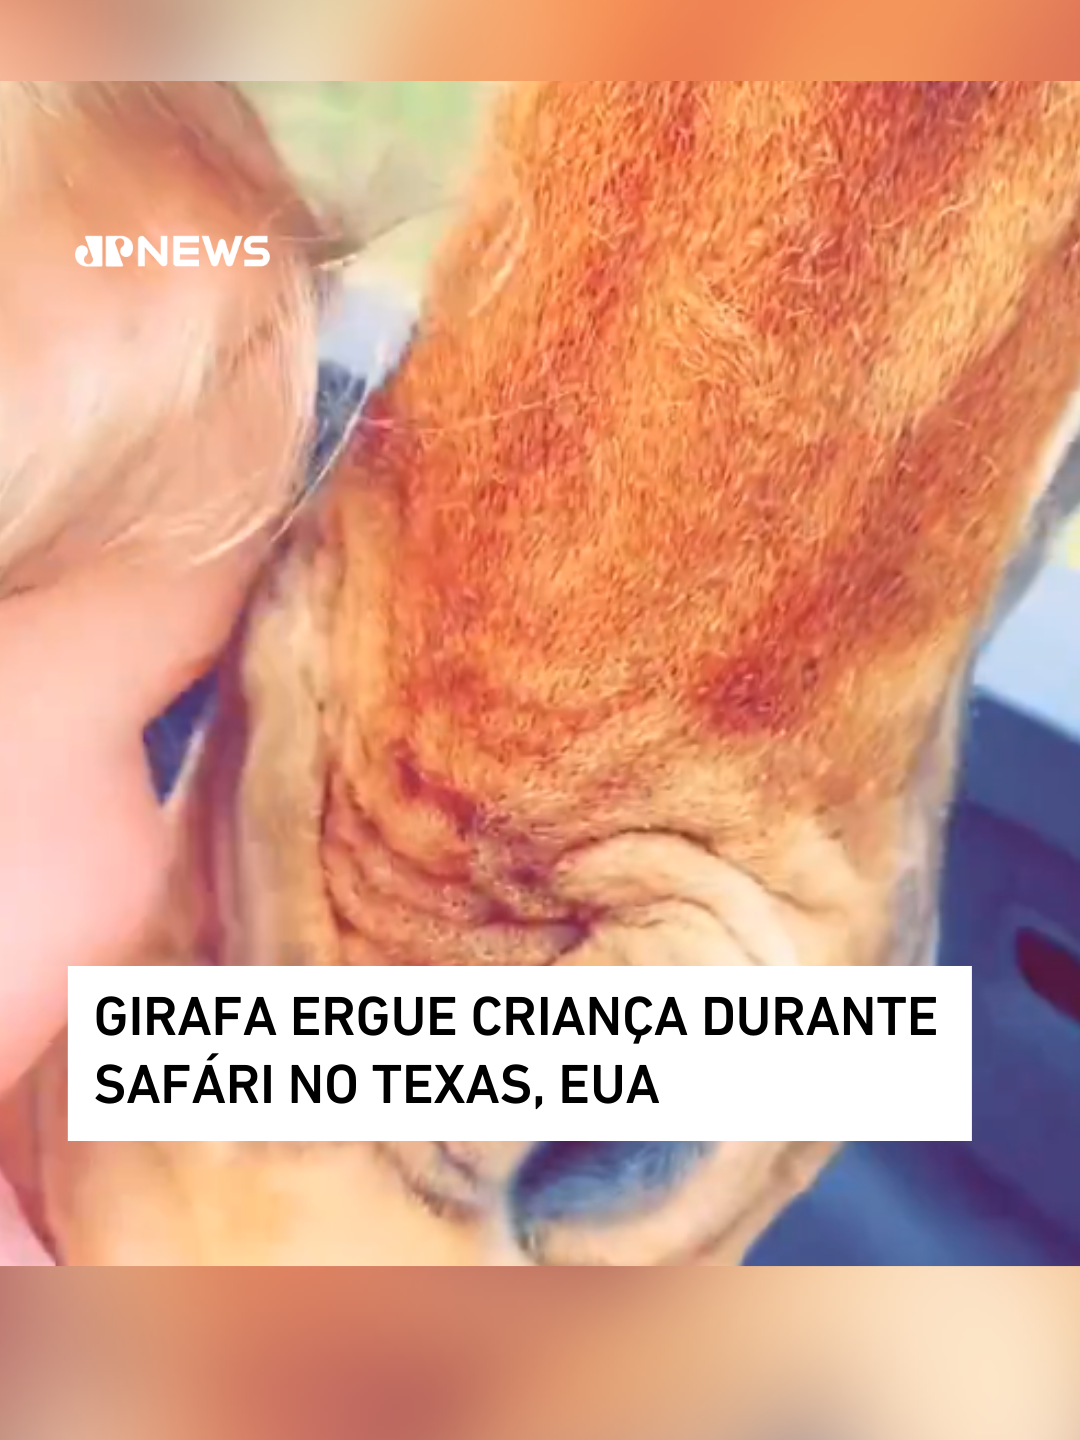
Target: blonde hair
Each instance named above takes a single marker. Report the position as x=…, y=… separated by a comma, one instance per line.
x=175, y=414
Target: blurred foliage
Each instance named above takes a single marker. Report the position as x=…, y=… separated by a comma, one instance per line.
x=378, y=150
x=327, y=125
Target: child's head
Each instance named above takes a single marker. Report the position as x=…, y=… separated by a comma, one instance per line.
x=146, y=404
x=152, y=426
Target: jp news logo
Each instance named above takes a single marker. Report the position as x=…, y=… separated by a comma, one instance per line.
x=186, y=251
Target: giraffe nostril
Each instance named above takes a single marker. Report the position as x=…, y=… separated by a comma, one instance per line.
x=590, y=1182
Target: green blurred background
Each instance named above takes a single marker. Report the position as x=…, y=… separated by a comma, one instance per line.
x=391, y=145
x=338, y=133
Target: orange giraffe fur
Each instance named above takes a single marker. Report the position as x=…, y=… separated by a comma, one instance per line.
x=634, y=627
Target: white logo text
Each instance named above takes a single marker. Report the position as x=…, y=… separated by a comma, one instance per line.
x=111, y=251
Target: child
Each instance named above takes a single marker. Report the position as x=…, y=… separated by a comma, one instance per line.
x=152, y=425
